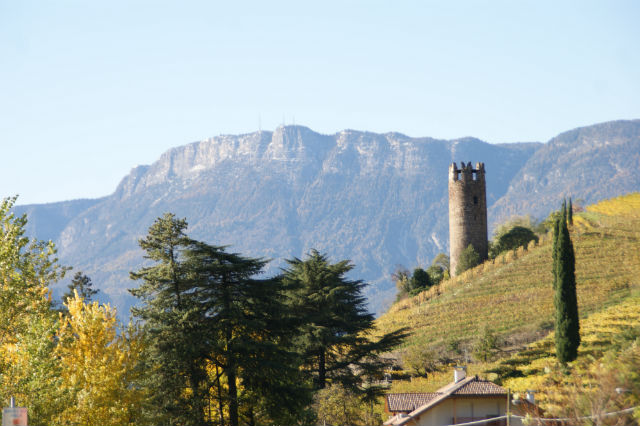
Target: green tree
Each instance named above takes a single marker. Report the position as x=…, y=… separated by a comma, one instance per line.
x=335, y=405
x=518, y=236
x=420, y=281
x=335, y=326
x=402, y=279
x=204, y=311
x=486, y=345
x=249, y=330
x=82, y=284
x=570, y=212
x=567, y=325
x=28, y=369
x=524, y=221
x=554, y=253
x=439, y=269
x=176, y=350
x=441, y=261
x=419, y=360
x=469, y=258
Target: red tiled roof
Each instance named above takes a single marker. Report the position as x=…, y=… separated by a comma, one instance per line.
x=407, y=402
x=470, y=386
x=480, y=387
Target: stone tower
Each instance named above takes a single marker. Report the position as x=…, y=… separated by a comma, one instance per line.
x=467, y=211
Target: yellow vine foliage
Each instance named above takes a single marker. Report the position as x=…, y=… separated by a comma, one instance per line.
x=97, y=366
x=597, y=372
x=624, y=205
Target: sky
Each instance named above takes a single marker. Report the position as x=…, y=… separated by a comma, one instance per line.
x=91, y=89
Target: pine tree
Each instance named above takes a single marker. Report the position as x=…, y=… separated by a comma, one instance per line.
x=83, y=285
x=567, y=325
x=205, y=311
x=176, y=351
x=248, y=329
x=334, y=322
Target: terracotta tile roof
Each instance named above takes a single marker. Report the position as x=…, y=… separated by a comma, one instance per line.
x=408, y=402
x=480, y=387
x=467, y=387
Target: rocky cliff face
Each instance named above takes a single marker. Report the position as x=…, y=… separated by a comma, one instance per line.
x=377, y=199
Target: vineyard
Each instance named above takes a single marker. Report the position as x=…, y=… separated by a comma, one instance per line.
x=513, y=297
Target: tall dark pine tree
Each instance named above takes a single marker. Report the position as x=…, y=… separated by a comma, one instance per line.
x=334, y=324
x=176, y=348
x=248, y=330
x=567, y=325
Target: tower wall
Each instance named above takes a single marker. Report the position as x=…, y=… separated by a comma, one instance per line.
x=467, y=211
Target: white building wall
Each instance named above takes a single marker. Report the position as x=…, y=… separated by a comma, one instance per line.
x=442, y=414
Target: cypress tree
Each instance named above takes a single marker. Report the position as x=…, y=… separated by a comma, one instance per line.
x=570, y=212
x=567, y=325
x=554, y=252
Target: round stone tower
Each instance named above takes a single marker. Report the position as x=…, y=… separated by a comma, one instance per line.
x=467, y=211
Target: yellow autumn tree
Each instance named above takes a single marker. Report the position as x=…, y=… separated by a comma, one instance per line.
x=98, y=367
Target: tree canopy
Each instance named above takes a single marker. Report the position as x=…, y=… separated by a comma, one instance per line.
x=469, y=258
x=518, y=236
x=567, y=322
x=204, y=309
x=335, y=326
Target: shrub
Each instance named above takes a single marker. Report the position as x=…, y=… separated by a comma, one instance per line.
x=469, y=258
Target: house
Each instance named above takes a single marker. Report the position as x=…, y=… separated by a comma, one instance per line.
x=464, y=400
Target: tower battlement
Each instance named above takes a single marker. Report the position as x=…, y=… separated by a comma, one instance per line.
x=466, y=172
x=467, y=211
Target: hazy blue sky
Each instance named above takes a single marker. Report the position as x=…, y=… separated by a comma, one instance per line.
x=90, y=89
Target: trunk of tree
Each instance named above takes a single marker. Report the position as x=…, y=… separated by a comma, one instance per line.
x=198, y=396
x=231, y=364
x=322, y=372
x=233, y=396
x=220, y=403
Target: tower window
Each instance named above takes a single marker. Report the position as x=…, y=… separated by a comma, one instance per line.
x=475, y=200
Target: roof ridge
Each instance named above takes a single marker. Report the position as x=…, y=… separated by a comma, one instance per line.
x=411, y=393
x=452, y=387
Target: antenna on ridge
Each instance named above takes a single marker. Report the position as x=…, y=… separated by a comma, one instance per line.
x=259, y=123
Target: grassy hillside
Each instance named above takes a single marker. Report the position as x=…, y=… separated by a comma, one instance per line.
x=513, y=295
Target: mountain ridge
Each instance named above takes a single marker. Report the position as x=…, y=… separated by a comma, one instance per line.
x=378, y=199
